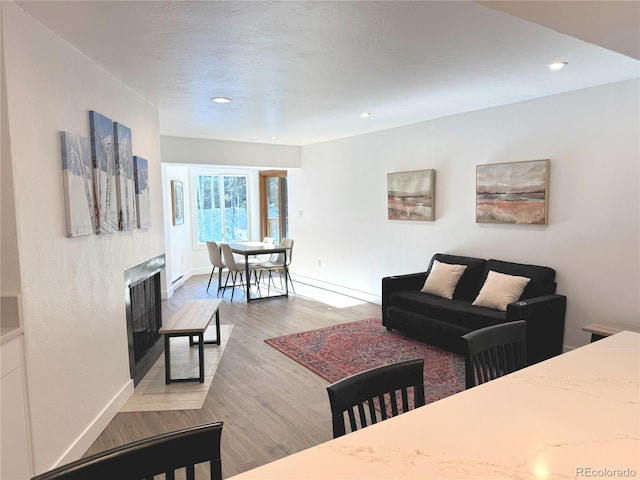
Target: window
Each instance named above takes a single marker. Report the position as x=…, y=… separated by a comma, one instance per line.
x=221, y=202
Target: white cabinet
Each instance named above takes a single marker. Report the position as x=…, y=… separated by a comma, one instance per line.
x=14, y=427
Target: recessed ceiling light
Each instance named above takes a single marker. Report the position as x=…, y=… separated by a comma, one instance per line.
x=273, y=137
x=221, y=99
x=365, y=115
x=557, y=65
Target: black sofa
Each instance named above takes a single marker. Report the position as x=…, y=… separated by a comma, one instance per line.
x=442, y=322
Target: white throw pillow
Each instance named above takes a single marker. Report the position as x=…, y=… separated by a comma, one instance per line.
x=442, y=279
x=499, y=290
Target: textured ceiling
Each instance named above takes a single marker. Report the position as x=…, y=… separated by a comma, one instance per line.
x=303, y=71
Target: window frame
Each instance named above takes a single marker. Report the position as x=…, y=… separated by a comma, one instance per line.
x=249, y=175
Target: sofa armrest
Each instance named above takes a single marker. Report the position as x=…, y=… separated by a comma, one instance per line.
x=399, y=283
x=545, y=325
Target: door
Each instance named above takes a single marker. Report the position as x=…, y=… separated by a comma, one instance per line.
x=274, y=212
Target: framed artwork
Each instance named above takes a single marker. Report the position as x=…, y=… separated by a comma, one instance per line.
x=125, y=183
x=177, y=202
x=515, y=192
x=143, y=199
x=104, y=172
x=77, y=177
x=411, y=195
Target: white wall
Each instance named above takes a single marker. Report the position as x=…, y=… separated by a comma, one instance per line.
x=590, y=136
x=221, y=152
x=72, y=288
x=177, y=237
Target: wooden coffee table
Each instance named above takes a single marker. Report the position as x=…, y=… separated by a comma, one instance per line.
x=191, y=321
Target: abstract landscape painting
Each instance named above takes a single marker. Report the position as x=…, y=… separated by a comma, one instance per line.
x=513, y=193
x=411, y=195
x=77, y=175
x=125, y=182
x=104, y=172
x=143, y=200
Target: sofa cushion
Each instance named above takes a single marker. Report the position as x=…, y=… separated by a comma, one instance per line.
x=442, y=279
x=472, y=278
x=499, y=290
x=440, y=334
x=458, y=312
x=542, y=278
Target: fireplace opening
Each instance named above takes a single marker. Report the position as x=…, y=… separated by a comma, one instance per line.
x=144, y=315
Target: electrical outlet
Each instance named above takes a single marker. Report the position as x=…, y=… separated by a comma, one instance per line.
x=319, y=263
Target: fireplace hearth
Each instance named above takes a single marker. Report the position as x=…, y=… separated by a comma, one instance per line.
x=144, y=315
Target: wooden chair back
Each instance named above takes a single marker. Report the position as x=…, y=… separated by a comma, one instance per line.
x=492, y=352
x=375, y=395
x=163, y=454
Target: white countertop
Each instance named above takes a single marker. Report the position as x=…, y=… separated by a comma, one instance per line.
x=579, y=410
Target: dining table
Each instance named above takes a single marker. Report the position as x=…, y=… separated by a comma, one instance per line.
x=252, y=249
x=576, y=415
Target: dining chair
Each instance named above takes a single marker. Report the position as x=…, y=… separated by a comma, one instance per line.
x=164, y=454
x=266, y=257
x=216, y=260
x=375, y=395
x=494, y=351
x=277, y=265
x=237, y=267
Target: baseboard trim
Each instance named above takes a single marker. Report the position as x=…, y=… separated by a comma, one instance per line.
x=360, y=295
x=95, y=428
x=332, y=287
x=166, y=294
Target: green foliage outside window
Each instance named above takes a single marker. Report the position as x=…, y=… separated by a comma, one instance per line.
x=214, y=223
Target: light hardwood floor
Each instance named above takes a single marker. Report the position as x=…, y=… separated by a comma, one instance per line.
x=271, y=406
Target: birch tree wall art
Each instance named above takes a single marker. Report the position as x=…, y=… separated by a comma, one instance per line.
x=143, y=199
x=125, y=182
x=77, y=176
x=104, y=172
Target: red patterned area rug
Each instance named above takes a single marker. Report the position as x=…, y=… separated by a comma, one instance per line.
x=341, y=350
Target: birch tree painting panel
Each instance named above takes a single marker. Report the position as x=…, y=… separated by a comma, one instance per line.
x=143, y=199
x=77, y=176
x=104, y=172
x=125, y=182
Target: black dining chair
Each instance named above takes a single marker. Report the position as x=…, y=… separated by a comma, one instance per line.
x=494, y=351
x=375, y=395
x=163, y=454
